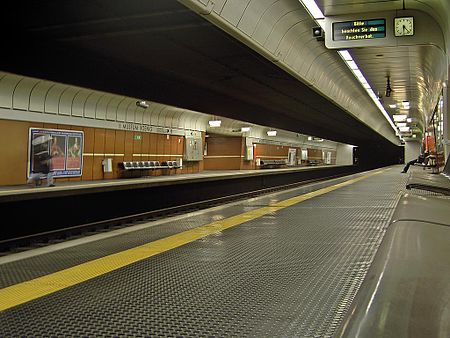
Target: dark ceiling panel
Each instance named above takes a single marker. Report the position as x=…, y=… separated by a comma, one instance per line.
x=161, y=51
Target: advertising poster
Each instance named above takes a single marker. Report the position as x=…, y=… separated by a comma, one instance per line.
x=64, y=147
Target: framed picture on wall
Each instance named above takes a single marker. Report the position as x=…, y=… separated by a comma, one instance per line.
x=65, y=147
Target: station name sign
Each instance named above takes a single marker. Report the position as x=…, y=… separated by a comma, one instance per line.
x=359, y=30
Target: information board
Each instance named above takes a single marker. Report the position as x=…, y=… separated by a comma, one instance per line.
x=193, y=149
x=359, y=30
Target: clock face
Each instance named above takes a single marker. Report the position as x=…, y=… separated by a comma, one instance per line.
x=404, y=26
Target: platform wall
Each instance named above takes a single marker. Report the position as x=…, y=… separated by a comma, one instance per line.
x=99, y=143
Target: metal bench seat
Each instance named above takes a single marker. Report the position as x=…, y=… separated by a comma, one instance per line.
x=406, y=287
x=438, y=183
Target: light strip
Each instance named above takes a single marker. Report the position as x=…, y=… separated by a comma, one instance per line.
x=215, y=123
x=345, y=55
x=313, y=9
x=316, y=13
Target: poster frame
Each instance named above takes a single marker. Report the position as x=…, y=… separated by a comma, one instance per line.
x=53, y=133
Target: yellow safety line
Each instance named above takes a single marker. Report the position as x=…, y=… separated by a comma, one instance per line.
x=26, y=291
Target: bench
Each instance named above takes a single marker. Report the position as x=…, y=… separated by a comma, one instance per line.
x=142, y=167
x=313, y=162
x=272, y=163
x=405, y=291
x=430, y=163
x=438, y=183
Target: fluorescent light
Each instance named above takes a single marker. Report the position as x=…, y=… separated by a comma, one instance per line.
x=313, y=9
x=272, y=133
x=214, y=123
x=404, y=129
x=345, y=55
x=405, y=104
x=399, y=118
x=245, y=129
x=352, y=64
x=321, y=23
x=309, y=138
x=409, y=120
x=393, y=106
x=401, y=124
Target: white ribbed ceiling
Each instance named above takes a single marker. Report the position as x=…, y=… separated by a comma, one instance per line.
x=416, y=72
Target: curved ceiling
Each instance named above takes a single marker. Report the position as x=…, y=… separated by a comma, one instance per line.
x=416, y=71
x=438, y=9
x=161, y=51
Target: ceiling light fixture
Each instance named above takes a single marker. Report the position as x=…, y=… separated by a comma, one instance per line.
x=245, y=129
x=215, y=123
x=400, y=117
x=393, y=106
x=405, y=105
x=404, y=129
x=314, y=11
x=271, y=133
x=142, y=104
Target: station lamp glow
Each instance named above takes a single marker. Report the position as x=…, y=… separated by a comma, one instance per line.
x=314, y=11
x=404, y=129
x=405, y=105
x=215, y=123
x=400, y=117
x=271, y=133
x=245, y=129
x=393, y=106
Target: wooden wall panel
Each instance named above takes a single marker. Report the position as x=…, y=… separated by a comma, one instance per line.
x=226, y=163
x=180, y=146
x=14, y=141
x=159, y=147
x=173, y=147
x=137, y=146
x=88, y=153
x=153, y=142
x=99, y=148
x=128, y=150
x=224, y=146
x=224, y=153
x=119, y=149
x=110, y=139
x=145, y=146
